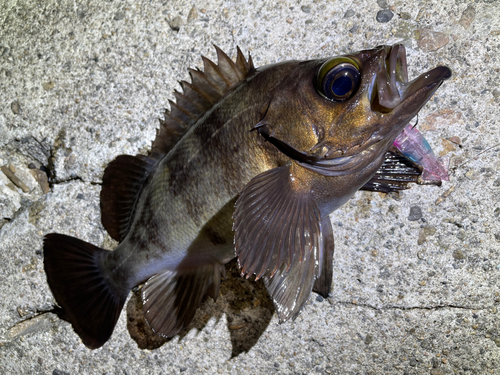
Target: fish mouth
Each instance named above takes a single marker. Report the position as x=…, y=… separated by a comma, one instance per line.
x=392, y=98
x=396, y=101
x=391, y=92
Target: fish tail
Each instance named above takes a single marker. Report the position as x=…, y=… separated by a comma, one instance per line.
x=90, y=300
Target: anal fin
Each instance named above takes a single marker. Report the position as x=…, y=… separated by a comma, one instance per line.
x=170, y=298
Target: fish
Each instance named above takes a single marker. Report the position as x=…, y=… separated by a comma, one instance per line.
x=248, y=163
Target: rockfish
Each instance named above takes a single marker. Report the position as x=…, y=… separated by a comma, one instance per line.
x=248, y=163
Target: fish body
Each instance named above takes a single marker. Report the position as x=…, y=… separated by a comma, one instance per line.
x=248, y=163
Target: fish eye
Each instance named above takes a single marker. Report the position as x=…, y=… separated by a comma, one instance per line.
x=338, y=79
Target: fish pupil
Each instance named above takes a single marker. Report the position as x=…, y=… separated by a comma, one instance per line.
x=339, y=82
x=342, y=85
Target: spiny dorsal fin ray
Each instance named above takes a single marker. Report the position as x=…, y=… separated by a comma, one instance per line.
x=207, y=87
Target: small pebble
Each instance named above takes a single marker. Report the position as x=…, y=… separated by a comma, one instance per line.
x=382, y=3
x=415, y=213
x=14, y=179
x=368, y=339
x=458, y=254
x=305, y=8
x=436, y=371
x=429, y=40
x=48, y=85
x=176, y=23
x=119, y=16
x=424, y=233
x=384, y=16
x=319, y=298
x=468, y=17
x=15, y=107
x=193, y=14
x=349, y=13
x=405, y=15
x=461, y=235
x=42, y=179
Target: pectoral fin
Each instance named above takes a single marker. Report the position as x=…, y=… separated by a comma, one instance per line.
x=278, y=237
x=276, y=222
x=290, y=289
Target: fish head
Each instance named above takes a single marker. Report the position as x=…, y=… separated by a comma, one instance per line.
x=337, y=115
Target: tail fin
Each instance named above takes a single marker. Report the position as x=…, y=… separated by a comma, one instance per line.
x=74, y=274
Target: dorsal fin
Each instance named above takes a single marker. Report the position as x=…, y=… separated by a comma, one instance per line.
x=122, y=184
x=206, y=88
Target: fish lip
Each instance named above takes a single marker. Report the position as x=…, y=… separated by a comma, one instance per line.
x=387, y=87
x=390, y=88
x=429, y=81
x=392, y=95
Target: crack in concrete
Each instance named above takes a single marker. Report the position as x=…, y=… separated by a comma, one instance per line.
x=74, y=178
x=394, y=307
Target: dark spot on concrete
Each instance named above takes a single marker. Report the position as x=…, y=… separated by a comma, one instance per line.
x=368, y=339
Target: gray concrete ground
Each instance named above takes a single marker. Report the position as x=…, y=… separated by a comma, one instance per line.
x=416, y=282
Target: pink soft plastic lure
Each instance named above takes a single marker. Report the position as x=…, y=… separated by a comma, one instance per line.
x=413, y=145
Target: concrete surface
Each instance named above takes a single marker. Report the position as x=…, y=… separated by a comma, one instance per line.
x=417, y=276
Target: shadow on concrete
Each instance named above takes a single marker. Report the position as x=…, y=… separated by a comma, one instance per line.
x=246, y=303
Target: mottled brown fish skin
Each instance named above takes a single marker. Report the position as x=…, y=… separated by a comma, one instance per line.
x=207, y=169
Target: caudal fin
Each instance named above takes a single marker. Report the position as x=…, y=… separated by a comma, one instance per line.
x=74, y=274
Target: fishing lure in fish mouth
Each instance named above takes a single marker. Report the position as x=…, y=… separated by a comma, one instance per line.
x=248, y=163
